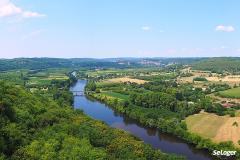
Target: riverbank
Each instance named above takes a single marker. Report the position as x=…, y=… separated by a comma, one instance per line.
x=123, y=145
x=37, y=126
x=159, y=140
x=179, y=130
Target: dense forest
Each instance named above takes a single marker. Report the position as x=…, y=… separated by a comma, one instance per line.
x=219, y=65
x=34, y=126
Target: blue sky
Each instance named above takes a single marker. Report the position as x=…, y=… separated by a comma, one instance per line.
x=119, y=28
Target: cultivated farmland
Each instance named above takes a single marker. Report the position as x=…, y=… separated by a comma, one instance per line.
x=217, y=128
x=127, y=79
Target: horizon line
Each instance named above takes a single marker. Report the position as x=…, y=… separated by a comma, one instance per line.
x=120, y=57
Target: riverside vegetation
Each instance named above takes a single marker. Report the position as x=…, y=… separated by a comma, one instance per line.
x=38, y=122
x=158, y=110
x=163, y=103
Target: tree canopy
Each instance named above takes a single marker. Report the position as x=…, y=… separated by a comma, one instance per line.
x=34, y=126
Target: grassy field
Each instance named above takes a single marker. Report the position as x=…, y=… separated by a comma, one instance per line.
x=231, y=93
x=217, y=128
x=39, y=81
x=231, y=79
x=46, y=79
x=211, y=78
x=129, y=72
x=205, y=124
x=116, y=95
x=127, y=79
x=228, y=131
x=101, y=72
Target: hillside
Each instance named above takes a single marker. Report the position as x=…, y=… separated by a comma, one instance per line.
x=44, y=63
x=218, y=65
x=89, y=63
x=36, y=127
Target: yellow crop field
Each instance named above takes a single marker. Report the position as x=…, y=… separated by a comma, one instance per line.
x=217, y=128
x=127, y=79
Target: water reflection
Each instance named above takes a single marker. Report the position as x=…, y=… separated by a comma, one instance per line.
x=165, y=142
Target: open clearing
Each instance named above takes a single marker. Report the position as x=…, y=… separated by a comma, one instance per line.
x=212, y=78
x=116, y=95
x=217, y=128
x=228, y=131
x=205, y=124
x=231, y=93
x=228, y=79
x=46, y=79
x=127, y=79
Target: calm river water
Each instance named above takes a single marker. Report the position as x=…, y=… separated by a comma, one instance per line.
x=165, y=142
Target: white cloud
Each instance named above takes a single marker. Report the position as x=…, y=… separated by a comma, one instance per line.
x=146, y=28
x=8, y=9
x=28, y=14
x=225, y=28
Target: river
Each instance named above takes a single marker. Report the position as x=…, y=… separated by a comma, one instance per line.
x=165, y=142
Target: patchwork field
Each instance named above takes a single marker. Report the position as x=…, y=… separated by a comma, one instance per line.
x=228, y=79
x=47, y=79
x=212, y=78
x=127, y=79
x=217, y=128
x=231, y=93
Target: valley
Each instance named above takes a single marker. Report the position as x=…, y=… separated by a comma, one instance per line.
x=184, y=107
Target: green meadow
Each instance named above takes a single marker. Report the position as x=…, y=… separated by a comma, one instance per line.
x=231, y=93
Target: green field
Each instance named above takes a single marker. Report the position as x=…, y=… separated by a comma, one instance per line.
x=231, y=93
x=38, y=81
x=106, y=84
x=46, y=80
x=116, y=95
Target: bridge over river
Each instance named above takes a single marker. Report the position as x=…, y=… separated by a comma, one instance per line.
x=78, y=93
x=166, y=142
